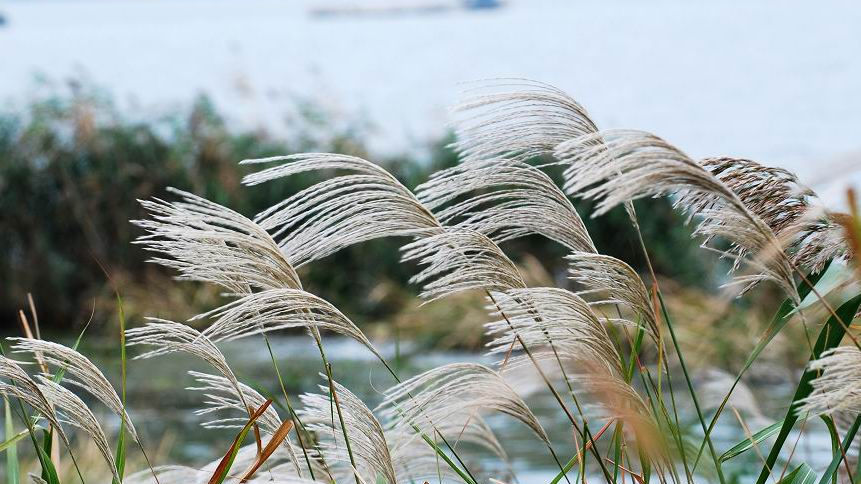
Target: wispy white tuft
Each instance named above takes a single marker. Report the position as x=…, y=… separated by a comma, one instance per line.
x=551, y=322
x=451, y=392
x=221, y=398
x=414, y=460
x=367, y=204
x=516, y=118
x=837, y=389
x=367, y=440
x=459, y=260
x=627, y=165
x=78, y=371
x=516, y=200
x=207, y=242
x=24, y=388
x=278, y=309
x=811, y=234
x=168, y=337
x=76, y=413
x=608, y=280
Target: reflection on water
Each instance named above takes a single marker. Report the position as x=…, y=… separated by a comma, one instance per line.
x=161, y=407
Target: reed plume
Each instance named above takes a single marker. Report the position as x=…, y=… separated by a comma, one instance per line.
x=838, y=388
x=627, y=165
x=555, y=319
x=278, y=309
x=75, y=412
x=79, y=371
x=607, y=280
x=207, y=242
x=518, y=119
x=458, y=260
x=515, y=200
x=452, y=391
x=25, y=389
x=365, y=443
x=366, y=204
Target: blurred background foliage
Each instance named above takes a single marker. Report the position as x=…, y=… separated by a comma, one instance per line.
x=73, y=165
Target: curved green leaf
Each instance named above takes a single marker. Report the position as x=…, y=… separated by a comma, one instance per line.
x=748, y=443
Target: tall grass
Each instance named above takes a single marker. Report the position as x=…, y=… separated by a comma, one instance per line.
x=607, y=352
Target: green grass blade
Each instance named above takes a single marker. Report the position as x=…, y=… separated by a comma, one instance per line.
x=49, y=472
x=829, y=337
x=12, y=473
x=227, y=461
x=13, y=440
x=802, y=474
x=694, y=399
x=839, y=452
x=45, y=449
x=121, y=438
x=747, y=444
x=777, y=323
x=62, y=371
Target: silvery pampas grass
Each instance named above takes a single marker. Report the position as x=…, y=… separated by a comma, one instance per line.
x=78, y=371
x=279, y=309
x=452, y=391
x=627, y=165
x=838, y=388
x=358, y=441
x=207, y=242
x=336, y=213
x=516, y=199
x=517, y=118
x=458, y=260
x=555, y=322
x=606, y=280
x=589, y=346
x=76, y=413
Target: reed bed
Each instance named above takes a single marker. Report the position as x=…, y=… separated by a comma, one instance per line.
x=606, y=351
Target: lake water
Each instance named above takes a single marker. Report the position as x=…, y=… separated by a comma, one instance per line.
x=771, y=80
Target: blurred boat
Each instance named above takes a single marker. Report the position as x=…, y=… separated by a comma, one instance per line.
x=400, y=8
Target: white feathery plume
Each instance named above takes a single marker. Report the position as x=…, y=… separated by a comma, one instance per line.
x=207, y=242
x=277, y=309
x=818, y=238
x=838, y=387
x=78, y=371
x=551, y=322
x=811, y=234
x=168, y=337
x=221, y=397
x=25, y=389
x=517, y=118
x=459, y=260
x=627, y=165
x=369, y=203
x=414, y=460
x=452, y=391
x=76, y=413
x=521, y=200
x=618, y=399
x=613, y=282
x=368, y=443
